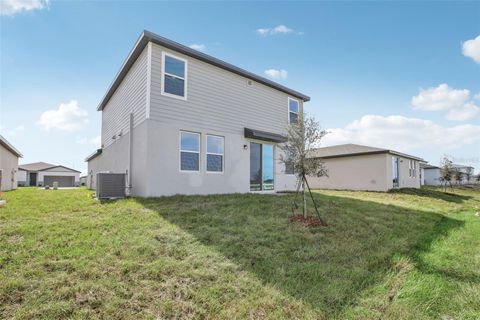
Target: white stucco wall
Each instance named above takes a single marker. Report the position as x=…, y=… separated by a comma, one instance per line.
x=156, y=163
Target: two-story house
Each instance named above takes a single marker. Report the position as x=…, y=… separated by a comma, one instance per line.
x=178, y=121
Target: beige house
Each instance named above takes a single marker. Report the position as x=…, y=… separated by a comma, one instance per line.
x=357, y=167
x=8, y=165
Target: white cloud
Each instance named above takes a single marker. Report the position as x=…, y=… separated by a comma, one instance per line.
x=14, y=131
x=199, y=47
x=403, y=134
x=440, y=98
x=477, y=96
x=468, y=111
x=69, y=117
x=276, y=74
x=17, y=130
x=263, y=31
x=12, y=7
x=471, y=49
x=280, y=29
x=444, y=98
x=96, y=141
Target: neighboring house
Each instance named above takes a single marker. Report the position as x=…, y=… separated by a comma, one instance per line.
x=357, y=167
x=433, y=175
x=45, y=174
x=8, y=165
x=464, y=170
x=178, y=121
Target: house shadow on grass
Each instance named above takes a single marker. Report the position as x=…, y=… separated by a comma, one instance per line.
x=326, y=267
x=429, y=192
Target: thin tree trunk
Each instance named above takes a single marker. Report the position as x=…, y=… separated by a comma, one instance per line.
x=304, y=200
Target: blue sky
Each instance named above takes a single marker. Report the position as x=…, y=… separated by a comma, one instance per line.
x=398, y=75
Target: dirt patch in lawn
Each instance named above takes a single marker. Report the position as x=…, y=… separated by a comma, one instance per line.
x=308, y=221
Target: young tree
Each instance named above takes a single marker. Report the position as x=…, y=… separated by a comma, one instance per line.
x=303, y=136
x=468, y=174
x=457, y=175
x=446, y=171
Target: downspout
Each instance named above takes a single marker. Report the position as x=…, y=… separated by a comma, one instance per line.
x=130, y=154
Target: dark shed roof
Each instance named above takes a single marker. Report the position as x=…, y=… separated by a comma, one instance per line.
x=41, y=166
x=148, y=36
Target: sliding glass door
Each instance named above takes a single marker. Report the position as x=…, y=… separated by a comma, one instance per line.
x=395, y=172
x=261, y=167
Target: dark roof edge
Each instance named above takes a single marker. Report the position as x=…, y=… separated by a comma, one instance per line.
x=93, y=155
x=148, y=36
x=57, y=167
x=9, y=147
x=370, y=152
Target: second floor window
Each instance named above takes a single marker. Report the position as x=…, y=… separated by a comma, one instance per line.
x=292, y=110
x=174, y=77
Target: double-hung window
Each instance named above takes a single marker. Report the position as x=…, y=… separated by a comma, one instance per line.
x=215, y=153
x=174, y=76
x=189, y=151
x=411, y=168
x=292, y=110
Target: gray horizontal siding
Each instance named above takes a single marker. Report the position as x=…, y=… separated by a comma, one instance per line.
x=217, y=99
x=129, y=97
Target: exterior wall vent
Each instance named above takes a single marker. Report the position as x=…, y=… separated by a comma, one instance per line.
x=110, y=185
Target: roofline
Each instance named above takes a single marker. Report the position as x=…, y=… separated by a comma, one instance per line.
x=148, y=36
x=370, y=153
x=94, y=155
x=51, y=167
x=59, y=166
x=9, y=147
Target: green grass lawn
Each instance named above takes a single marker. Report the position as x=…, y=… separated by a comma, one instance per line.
x=412, y=254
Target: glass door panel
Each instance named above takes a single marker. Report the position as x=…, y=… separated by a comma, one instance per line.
x=267, y=167
x=395, y=173
x=255, y=166
x=261, y=167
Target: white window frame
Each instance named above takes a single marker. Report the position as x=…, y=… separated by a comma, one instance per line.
x=180, y=151
x=414, y=169
x=164, y=54
x=288, y=108
x=217, y=154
